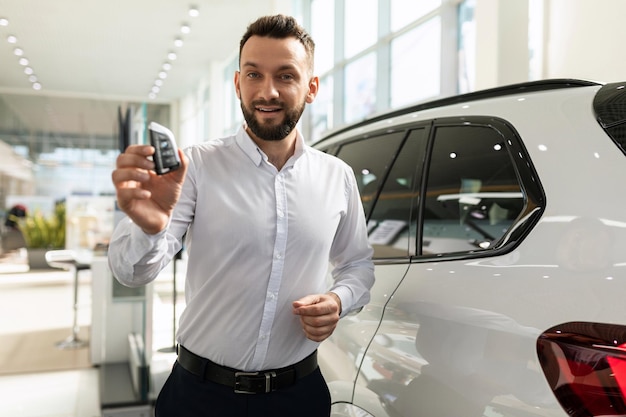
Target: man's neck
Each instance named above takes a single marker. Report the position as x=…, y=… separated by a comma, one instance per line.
x=278, y=151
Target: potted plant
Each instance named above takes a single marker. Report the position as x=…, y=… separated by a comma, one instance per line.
x=42, y=234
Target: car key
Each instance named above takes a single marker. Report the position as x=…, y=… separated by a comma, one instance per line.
x=166, y=152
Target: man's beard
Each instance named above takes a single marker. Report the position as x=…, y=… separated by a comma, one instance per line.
x=272, y=132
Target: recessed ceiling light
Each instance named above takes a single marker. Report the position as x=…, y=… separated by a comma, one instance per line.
x=185, y=28
x=23, y=61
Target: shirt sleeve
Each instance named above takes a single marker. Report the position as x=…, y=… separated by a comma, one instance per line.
x=351, y=253
x=135, y=257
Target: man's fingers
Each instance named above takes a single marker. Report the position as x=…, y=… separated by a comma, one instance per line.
x=318, y=328
x=121, y=176
x=125, y=194
x=319, y=314
x=316, y=305
x=306, y=301
x=136, y=156
x=145, y=150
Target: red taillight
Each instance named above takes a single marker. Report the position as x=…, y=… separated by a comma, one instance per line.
x=618, y=365
x=585, y=365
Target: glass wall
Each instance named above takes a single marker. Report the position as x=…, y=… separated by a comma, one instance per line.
x=415, y=73
x=374, y=55
x=467, y=46
x=232, y=111
x=72, y=153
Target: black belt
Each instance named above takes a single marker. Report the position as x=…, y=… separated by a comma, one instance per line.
x=246, y=382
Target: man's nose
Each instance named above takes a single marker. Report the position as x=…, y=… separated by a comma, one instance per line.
x=268, y=89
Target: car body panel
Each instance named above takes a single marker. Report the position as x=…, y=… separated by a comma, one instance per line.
x=341, y=354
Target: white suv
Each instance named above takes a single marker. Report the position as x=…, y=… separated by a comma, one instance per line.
x=498, y=220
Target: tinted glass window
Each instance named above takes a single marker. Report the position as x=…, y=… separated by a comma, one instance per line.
x=370, y=159
x=393, y=218
x=473, y=194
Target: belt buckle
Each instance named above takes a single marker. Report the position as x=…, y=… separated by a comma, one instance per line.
x=242, y=388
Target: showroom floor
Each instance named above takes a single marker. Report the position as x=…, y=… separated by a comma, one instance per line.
x=36, y=378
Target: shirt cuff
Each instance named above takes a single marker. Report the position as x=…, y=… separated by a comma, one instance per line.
x=345, y=295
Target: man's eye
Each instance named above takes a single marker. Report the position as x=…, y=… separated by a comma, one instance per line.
x=253, y=75
x=286, y=77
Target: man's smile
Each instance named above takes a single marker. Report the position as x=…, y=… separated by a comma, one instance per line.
x=268, y=109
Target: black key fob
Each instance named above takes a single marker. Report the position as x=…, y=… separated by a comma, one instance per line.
x=166, y=152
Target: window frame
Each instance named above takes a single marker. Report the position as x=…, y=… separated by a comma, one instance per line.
x=526, y=175
x=534, y=194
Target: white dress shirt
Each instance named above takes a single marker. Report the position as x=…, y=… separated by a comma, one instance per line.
x=257, y=240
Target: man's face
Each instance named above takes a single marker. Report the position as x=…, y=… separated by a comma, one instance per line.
x=274, y=84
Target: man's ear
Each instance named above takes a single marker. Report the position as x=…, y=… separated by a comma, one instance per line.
x=314, y=85
x=237, y=91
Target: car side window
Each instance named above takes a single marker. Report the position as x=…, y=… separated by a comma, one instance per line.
x=393, y=221
x=473, y=195
x=370, y=159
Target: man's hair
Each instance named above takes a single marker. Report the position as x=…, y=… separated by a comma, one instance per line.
x=280, y=27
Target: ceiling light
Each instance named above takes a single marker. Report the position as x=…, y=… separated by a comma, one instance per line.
x=28, y=71
x=32, y=78
x=4, y=22
x=11, y=39
x=18, y=51
x=185, y=28
x=23, y=61
x=36, y=86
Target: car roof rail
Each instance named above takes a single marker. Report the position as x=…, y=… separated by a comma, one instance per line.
x=525, y=87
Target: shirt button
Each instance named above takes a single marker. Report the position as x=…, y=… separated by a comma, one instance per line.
x=279, y=256
x=281, y=214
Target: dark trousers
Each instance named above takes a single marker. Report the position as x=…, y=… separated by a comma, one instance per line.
x=186, y=395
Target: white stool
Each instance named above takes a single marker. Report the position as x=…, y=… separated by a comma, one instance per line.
x=66, y=259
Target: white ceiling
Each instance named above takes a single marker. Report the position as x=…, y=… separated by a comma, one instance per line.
x=110, y=51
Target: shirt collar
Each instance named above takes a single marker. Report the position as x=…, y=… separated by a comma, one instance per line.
x=255, y=153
